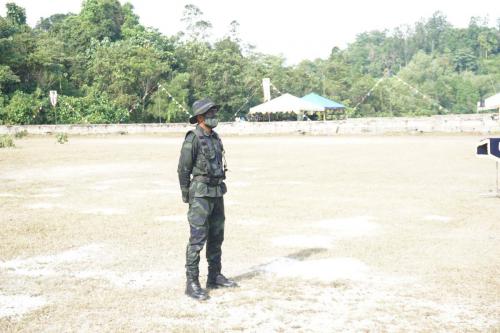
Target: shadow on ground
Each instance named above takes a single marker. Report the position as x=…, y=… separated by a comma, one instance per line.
x=259, y=269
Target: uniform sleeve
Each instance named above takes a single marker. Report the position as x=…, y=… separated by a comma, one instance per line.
x=186, y=161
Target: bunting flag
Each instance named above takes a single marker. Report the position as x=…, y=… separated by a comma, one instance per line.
x=433, y=101
x=412, y=88
x=369, y=92
x=255, y=90
x=247, y=100
x=179, y=105
x=276, y=89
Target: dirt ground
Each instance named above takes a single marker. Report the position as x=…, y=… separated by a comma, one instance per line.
x=323, y=234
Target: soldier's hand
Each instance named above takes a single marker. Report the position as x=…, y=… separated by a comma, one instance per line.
x=185, y=197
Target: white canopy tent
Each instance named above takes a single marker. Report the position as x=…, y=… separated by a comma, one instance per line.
x=286, y=103
x=490, y=103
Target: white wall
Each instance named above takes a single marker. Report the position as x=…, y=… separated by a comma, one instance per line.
x=471, y=123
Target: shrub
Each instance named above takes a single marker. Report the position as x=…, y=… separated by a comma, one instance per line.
x=62, y=138
x=95, y=108
x=21, y=109
x=21, y=134
x=6, y=141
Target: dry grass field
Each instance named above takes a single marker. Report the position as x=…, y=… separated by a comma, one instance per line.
x=323, y=234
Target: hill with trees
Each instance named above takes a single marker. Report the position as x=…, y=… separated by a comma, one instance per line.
x=109, y=68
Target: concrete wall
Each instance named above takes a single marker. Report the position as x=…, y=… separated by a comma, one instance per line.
x=470, y=123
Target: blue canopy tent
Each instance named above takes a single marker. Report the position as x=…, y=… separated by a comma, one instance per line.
x=326, y=103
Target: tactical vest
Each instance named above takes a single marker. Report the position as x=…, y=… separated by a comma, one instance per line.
x=211, y=159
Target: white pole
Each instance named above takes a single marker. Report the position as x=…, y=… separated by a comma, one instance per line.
x=498, y=189
x=266, y=87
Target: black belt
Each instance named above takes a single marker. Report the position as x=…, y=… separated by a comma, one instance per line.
x=208, y=180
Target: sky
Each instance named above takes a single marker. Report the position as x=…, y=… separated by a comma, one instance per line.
x=295, y=29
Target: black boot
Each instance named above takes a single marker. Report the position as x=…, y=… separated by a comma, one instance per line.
x=194, y=290
x=217, y=280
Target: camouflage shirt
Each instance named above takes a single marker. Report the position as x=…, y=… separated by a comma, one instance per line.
x=203, y=164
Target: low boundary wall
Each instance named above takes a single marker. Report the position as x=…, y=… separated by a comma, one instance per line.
x=469, y=123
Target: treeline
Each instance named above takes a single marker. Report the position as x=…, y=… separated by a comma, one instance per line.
x=108, y=68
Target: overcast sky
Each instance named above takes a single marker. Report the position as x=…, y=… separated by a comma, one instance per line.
x=297, y=29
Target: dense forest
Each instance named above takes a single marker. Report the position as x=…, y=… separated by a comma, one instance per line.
x=108, y=68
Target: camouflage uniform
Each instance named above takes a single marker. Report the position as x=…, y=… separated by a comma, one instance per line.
x=202, y=157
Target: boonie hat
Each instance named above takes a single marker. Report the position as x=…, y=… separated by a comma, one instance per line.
x=200, y=107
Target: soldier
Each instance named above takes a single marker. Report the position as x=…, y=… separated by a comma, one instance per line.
x=202, y=156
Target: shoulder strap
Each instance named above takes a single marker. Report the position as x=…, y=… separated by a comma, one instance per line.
x=187, y=134
x=222, y=148
x=219, y=140
x=203, y=142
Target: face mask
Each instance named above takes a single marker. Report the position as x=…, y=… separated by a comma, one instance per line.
x=211, y=122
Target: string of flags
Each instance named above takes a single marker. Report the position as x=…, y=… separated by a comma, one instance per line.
x=179, y=105
x=276, y=89
x=248, y=99
x=421, y=94
x=369, y=92
x=255, y=90
x=441, y=108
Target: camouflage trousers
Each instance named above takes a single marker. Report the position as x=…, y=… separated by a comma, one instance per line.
x=206, y=221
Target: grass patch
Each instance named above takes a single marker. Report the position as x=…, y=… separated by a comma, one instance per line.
x=6, y=141
x=21, y=134
x=62, y=138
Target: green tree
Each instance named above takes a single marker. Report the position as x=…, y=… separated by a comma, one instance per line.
x=465, y=60
x=48, y=24
x=129, y=73
x=131, y=26
x=487, y=41
x=7, y=76
x=102, y=18
x=197, y=27
x=16, y=14
x=163, y=107
x=47, y=63
x=107, y=67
